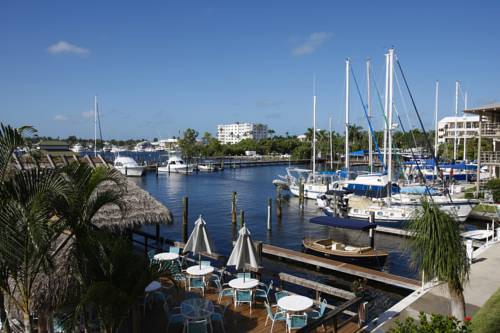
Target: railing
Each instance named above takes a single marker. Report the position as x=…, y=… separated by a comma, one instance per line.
x=490, y=157
x=490, y=128
x=332, y=317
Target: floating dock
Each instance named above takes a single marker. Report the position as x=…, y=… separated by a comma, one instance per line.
x=342, y=267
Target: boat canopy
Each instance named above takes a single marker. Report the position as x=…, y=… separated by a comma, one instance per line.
x=340, y=222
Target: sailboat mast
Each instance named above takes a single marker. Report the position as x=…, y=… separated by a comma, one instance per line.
x=389, y=157
x=347, y=64
x=465, y=129
x=314, y=129
x=331, y=143
x=370, y=143
x=386, y=105
x=95, y=126
x=436, y=106
x=456, y=123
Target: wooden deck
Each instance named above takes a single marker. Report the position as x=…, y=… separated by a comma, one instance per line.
x=355, y=270
x=236, y=319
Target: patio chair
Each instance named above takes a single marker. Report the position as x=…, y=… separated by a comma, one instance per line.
x=205, y=263
x=195, y=282
x=218, y=315
x=264, y=290
x=174, y=249
x=244, y=275
x=151, y=256
x=223, y=292
x=174, y=316
x=244, y=296
x=217, y=275
x=277, y=316
x=196, y=326
x=280, y=294
x=295, y=322
x=317, y=314
x=153, y=297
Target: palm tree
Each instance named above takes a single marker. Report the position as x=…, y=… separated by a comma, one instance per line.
x=439, y=252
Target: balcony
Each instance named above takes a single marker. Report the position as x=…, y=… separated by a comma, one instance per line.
x=490, y=130
x=490, y=158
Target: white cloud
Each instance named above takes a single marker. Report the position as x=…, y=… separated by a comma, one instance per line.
x=88, y=114
x=60, y=117
x=312, y=43
x=63, y=47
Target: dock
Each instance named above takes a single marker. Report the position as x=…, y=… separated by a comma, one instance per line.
x=342, y=267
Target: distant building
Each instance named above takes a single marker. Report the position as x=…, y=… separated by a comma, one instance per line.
x=234, y=133
x=53, y=146
x=302, y=137
x=466, y=127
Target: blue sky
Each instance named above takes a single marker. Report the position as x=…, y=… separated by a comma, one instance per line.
x=160, y=67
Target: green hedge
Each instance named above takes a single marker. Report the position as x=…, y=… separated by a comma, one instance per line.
x=435, y=323
x=487, y=319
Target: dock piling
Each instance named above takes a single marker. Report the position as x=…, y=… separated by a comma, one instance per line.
x=185, y=219
x=233, y=208
x=242, y=219
x=269, y=207
x=278, y=202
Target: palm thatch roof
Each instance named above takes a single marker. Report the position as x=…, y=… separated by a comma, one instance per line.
x=141, y=208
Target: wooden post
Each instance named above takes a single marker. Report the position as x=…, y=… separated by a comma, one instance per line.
x=242, y=218
x=156, y=170
x=185, y=220
x=126, y=171
x=278, y=202
x=269, y=207
x=301, y=195
x=233, y=208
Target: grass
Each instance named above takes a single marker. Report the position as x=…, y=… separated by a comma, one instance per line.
x=487, y=319
x=484, y=208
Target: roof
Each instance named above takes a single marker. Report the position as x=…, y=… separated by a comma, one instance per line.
x=52, y=143
x=340, y=222
x=452, y=119
x=493, y=107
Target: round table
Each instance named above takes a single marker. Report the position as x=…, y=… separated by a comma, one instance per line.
x=197, y=308
x=153, y=286
x=295, y=303
x=197, y=271
x=166, y=256
x=240, y=284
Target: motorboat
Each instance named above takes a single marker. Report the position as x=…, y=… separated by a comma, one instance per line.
x=77, y=148
x=176, y=164
x=128, y=166
x=359, y=255
x=208, y=167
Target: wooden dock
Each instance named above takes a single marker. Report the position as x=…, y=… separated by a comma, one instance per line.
x=350, y=269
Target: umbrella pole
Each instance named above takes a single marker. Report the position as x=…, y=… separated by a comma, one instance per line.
x=244, y=274
x=199, y=259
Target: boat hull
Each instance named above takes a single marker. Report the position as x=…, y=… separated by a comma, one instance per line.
x=131, y=171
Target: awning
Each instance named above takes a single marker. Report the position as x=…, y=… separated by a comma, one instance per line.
x=340, y=222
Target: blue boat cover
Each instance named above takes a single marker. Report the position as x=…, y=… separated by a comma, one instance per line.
x=340, y=222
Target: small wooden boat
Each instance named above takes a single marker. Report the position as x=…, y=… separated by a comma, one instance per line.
x=366, y=256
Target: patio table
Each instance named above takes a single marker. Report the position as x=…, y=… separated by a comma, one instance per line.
x=295, y=303
x=240, y=284
x=197, y=271
x=166, y=256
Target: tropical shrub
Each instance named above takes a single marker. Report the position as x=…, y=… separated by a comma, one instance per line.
x=487, y=319
x=436, y=323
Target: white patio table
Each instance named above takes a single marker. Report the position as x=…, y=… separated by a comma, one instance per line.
x=295, y=303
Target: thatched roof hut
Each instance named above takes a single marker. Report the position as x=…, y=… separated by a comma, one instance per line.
x=141, y=208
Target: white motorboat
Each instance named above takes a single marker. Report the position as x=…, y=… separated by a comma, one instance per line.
x=315, y=184
x=176, y=164
x=128, y=166
x=77, y=148
x=207, y=167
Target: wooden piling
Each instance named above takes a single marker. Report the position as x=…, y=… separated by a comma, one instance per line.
x=156, y=170
x=278, y=202
x=185, y=219
x=269, y=207
x=242, y=218
x=301, y=195
x=233, y=208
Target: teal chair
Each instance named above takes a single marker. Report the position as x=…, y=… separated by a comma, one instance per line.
x=244, y=275
x=263, y=291
x=295, y=322
x=195, y=282
x=244, y=296
x=174, y=317
x=151, y=256
x=196, y=326
x=174, y=249
x=205, y=263
x=280, y=294
x=218, y=316
x=223, y=292
x=278, y=316
x=317, y=314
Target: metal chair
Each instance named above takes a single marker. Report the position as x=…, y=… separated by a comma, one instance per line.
x=280, y=294
x=295, y=322
x=277, y=316
x=244, y=275
x=244, y=296
x=174, y=316
x=317, y=314
x=151, y=256
x=264, y=291
x=195, y=282
x=174, y=249
x=218, y=315
x=223, y=292
x=205, y=263
x=196, y=326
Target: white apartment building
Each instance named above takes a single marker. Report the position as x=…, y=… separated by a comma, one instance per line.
x=466, y=127
x=234, y=133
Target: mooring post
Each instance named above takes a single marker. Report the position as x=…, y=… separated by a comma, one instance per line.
x=185, y=220
x=242, y=219
x=233, y=208
x=301, y=195
x=156, y=170
x=222, y=163
x=126, y=171
x=278, y=202
x=269, y=206
x=371, y=219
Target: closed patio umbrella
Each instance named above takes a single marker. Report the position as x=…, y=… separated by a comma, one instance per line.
x=244, y=252
x=199, y=241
